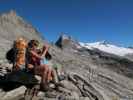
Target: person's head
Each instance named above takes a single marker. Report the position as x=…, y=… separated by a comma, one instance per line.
x=48, y=56
x=33, y=43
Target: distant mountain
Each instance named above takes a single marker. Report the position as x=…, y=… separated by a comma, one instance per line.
x=12, y=27
x=130, y=47
x=109, y=48
x=67, y=42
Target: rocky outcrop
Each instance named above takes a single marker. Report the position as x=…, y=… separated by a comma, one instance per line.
x=14, y=94
x=13, y=26
x=67, y=42
x=129, y=56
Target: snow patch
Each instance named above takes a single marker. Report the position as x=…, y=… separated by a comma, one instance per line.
x=109, y=48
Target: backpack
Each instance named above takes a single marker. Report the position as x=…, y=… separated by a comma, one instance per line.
x=10, y=55
x=20, y=55
x=17, y=54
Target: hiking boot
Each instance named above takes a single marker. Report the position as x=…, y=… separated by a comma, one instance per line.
x=44, y=88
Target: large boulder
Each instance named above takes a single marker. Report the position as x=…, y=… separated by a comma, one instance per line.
x=15, y=94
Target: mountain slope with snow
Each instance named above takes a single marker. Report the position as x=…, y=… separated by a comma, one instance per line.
x=109, y=48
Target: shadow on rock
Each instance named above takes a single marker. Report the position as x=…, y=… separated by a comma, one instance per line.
x=14, y=80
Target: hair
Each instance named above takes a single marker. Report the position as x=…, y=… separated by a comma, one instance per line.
x=48, y=56
x=33, y=43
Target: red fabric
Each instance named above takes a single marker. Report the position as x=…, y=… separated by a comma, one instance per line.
x=33, y=59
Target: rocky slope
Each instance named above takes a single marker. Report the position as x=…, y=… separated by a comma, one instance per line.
x=13, y=26
x=109, y=74
x=91, y=74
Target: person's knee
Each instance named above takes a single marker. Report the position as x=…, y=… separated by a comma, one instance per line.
x=43, y=68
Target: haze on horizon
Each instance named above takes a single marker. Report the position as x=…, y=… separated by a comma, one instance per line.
x=84, y=20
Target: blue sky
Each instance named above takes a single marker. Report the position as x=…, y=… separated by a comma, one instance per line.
x=84, y=20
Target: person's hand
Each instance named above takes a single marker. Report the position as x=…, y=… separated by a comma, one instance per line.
x=30, y=66
x=42, y=57
x=46, y=46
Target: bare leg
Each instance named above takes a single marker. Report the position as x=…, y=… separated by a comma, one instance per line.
x=42, y=71
x=49, y=75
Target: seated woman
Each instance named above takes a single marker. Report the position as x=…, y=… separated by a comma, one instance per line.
x=45, y=61
x=35, y=56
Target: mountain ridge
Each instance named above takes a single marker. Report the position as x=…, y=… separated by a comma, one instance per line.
x=109, y=48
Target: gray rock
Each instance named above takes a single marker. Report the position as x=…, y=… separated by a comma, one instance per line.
x=41, y=94
x=14, y=94
x=2, y=93
x=84, y=98
x=69, y=85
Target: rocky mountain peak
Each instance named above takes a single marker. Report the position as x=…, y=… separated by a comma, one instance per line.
x=9, y=13
x=12, y=13
x=65, y=37
x=15, y=24
x=62, y=40
x=66, y=41
x=103, y=42
x=10, y=16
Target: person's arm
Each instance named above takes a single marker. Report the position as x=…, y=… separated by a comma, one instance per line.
x=35, y=54
x=45, y=51
x=31, y=66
